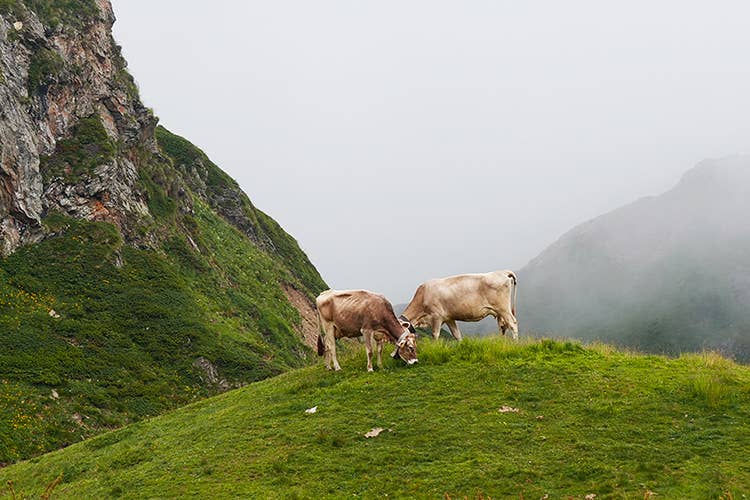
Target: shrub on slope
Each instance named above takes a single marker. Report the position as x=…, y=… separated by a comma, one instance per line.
x=116, y=331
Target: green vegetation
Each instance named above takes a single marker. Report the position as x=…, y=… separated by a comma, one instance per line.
x=11, y=7
x=126, y=81
x=224, y=195
x=589, y=421
x=44, y=67
x=101, y=328
x=123, y=76
x=52, y=13
x=76, y=157
x=131, y=324
x=152, y=179
x=63, y=12
x=288, y=249
x=186, y=155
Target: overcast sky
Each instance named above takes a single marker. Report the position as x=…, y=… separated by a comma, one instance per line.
x=405, y=140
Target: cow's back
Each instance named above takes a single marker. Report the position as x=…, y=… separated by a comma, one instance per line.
x=467, y=297
x=324, y=304
x=352, y=310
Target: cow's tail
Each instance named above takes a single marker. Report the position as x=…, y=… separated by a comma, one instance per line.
x=513, y=278
x=321, y=347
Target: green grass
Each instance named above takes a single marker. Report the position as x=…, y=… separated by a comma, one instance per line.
x=223, y=194
x=132, y=323
x=590, y=420
x=112, y=322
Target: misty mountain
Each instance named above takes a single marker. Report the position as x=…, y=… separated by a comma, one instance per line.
x=667, y=273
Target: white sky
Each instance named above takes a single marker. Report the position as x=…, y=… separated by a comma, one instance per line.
x=405, y=140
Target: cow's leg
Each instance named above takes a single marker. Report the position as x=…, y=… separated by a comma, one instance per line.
x=368, y=347
x=380, y=353
x=436, y=324
x=336, y=366
x=501, y=326
x=510, y=322
x=330, y=345
x=329, y=342
x=454, y=329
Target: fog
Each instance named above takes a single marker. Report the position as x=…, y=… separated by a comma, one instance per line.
x=667, y=274
x=401, y=141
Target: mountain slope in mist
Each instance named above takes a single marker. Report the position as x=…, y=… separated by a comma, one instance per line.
x=668, y=273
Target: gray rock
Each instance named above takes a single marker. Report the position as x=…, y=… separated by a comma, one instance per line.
x=91, y=81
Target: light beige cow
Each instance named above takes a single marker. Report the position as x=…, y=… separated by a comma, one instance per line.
x=466, y=297
x=355, y=313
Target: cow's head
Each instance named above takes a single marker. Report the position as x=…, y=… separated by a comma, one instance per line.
x=406, y=348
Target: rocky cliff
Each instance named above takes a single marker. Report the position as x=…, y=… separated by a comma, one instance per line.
x=135, y=274
x=65, y=86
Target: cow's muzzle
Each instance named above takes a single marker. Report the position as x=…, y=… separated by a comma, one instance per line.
x=412, y=361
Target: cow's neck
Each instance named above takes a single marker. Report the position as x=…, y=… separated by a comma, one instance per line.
x=395, y=334
x=395, y=330
x=413, y=316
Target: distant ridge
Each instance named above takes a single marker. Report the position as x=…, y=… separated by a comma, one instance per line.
x=667, y=273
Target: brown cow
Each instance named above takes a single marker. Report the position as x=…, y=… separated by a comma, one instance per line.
x=466, y=297
x=354, y=313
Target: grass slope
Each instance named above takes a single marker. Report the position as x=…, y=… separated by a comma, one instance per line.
x=102, y=325
x=131, y=324
x=590, y=420
x=97, y=333
x=224, y=195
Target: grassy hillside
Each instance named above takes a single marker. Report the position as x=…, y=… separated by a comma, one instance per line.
x=137, y=277
x=223, y=195
x=116, y=331
x=589, y=421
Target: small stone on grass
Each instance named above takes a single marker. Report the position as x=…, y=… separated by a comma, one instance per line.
x=508, y=409
x=375, y=432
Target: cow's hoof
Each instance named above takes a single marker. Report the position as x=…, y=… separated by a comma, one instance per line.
x=370, y=370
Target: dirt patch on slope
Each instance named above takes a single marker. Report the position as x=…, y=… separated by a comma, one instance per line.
x=308, y=330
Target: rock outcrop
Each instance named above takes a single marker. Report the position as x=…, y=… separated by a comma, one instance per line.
x=53, y=77
x=75, y=139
